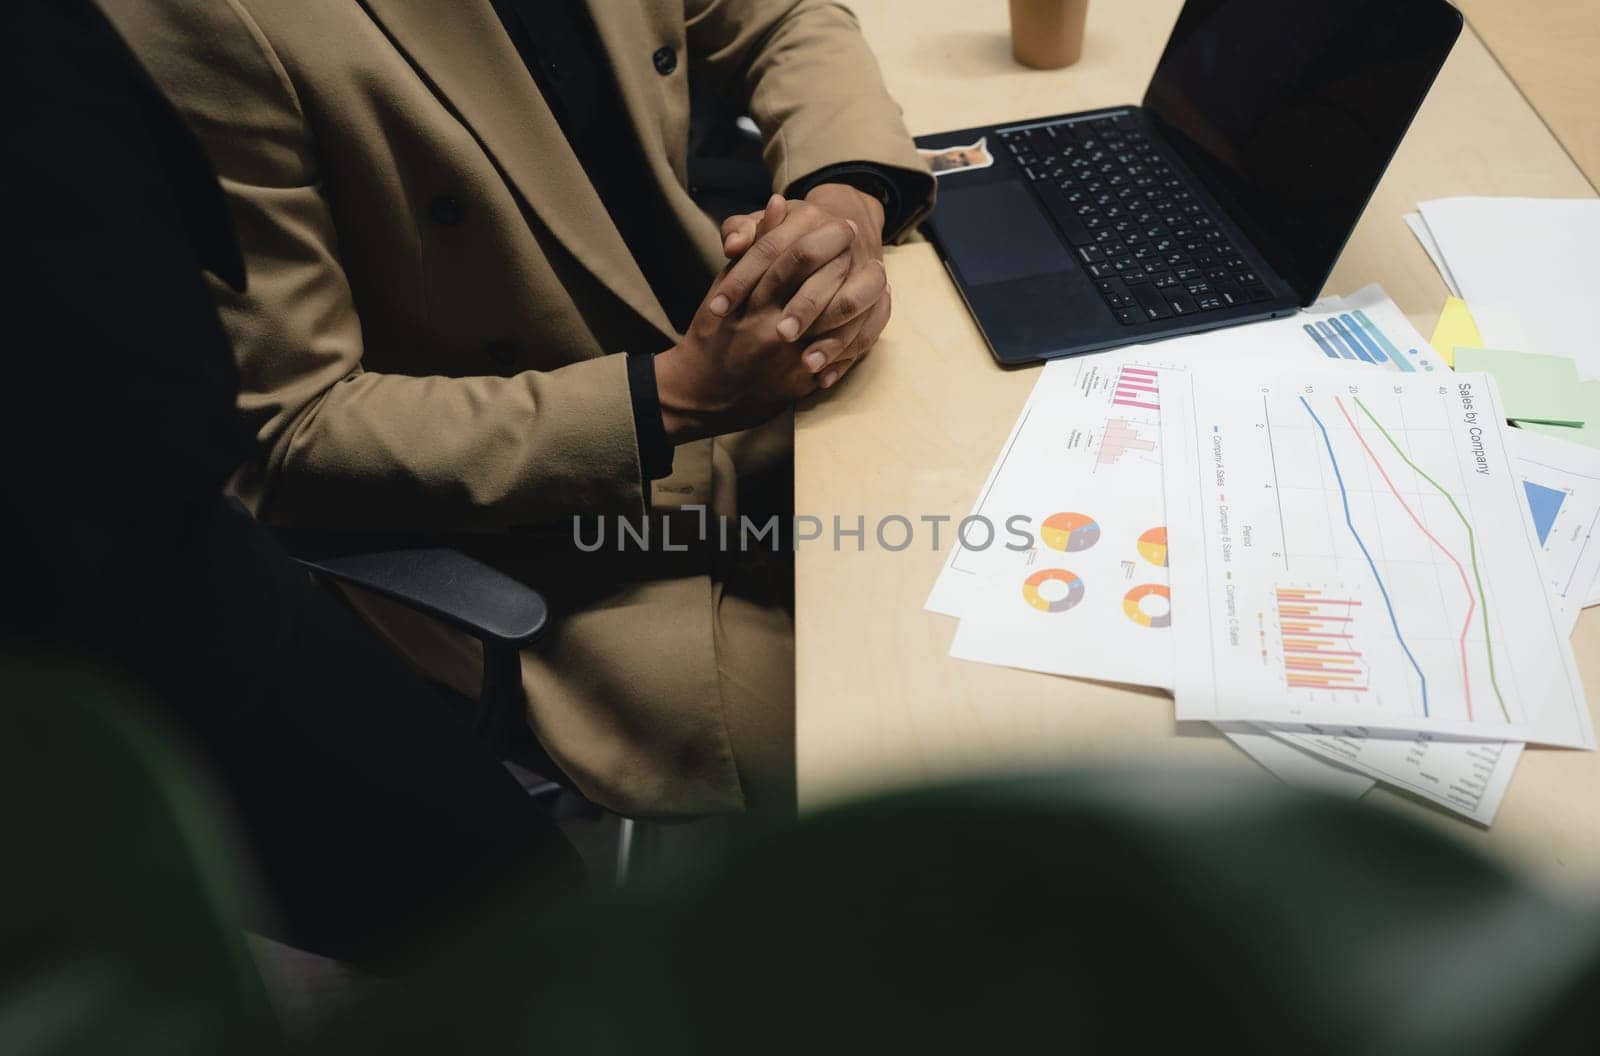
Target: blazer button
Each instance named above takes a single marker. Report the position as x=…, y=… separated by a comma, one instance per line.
x=504, y=353
x=666, y=60
x=447, y=210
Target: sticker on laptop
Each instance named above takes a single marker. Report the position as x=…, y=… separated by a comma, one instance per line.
x=945, y=160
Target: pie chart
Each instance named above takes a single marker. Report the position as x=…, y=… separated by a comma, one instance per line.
x=1069, y=532
x=1053, y=590
x=1133, y=605
x=1153, y=546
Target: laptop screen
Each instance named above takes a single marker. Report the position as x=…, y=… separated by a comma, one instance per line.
x=1290, y=110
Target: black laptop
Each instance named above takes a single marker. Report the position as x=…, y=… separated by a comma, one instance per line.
x=1225, y=197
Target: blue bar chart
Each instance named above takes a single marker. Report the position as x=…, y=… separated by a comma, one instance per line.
x=1353, y=335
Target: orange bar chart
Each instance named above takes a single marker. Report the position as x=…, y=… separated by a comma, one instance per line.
x=1318, y=649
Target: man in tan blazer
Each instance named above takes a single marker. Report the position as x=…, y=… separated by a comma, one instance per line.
x=478, y=309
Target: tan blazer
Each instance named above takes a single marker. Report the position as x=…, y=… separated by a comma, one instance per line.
x=437, y=302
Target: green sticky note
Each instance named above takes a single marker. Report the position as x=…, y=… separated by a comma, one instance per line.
x=1534, y=388
x=1588, y=433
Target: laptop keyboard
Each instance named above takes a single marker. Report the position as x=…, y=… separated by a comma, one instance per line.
x=1152, y=248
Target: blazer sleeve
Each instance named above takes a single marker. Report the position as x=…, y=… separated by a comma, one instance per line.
x=813, y=87
x=346, y=447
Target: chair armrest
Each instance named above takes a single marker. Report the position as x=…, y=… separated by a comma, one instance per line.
x=440, y=582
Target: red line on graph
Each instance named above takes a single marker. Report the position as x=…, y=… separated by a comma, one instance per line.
x=1472, y=601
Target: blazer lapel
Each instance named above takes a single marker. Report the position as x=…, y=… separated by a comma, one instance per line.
x=462, y=50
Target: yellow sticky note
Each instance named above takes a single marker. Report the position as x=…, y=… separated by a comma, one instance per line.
x=1456, y=329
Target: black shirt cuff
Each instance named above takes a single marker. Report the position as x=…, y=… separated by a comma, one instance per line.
x=880, y=181
x=655, y=452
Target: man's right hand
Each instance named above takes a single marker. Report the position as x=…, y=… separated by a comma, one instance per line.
x=735, y=369
x=842, y=306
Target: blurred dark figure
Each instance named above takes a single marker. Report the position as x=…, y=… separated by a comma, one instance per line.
x=1097, y=912
x=368, y=807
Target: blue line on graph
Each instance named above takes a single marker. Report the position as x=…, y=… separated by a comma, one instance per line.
x=1336, y=341
x=1349, y=339
x=1355, y=328
x=1327, y=349
x=1382, y=338
x=1344, y=497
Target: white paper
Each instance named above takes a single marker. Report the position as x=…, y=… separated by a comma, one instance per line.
x=1295, y=767
x=1076, y=453
x=1468, y=777
x=1527, y=268
x=950, y=590
x=1359, y=553
x=1419, y=227
x=1561, y=482
x=1087, y=446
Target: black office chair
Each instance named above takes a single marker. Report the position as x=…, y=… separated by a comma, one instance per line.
x=504, y=614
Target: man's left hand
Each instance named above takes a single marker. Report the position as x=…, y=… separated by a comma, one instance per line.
x=841, y=332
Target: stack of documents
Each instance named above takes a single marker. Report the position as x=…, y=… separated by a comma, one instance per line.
x=1522, y=282
x=1311, y=531
x=1526, y=268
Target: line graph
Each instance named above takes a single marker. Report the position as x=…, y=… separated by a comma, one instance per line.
x=1375, y=537
x=1472, y=543
x=1344, y=497
x=1472, y=602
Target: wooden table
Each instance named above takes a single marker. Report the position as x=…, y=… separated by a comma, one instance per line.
x=918, y=425
x=1551, y=49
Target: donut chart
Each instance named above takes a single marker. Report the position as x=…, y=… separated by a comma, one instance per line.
x=1153, y=546
x=1034, y=595
x=1069, y=532
x=1132, y=604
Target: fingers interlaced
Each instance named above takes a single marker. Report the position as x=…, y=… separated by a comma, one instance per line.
x=802, y=259
x=790, y=236
x=832, y=354
x=738, y=232
x=834, y=299
x=856, y=296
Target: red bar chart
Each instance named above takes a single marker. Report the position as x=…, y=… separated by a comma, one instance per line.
x=1136, y=387
x=1120, y=437
x=1318, y=646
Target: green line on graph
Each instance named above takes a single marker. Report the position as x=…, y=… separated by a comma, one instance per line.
x=1472, y=547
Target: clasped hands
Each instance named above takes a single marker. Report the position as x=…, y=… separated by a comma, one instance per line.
x=803, y=298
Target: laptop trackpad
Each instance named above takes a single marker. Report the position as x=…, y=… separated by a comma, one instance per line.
x=998, y=232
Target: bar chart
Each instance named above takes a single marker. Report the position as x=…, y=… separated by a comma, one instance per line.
x=1121, y=436
x=1136, y=387
x=1353, y=335
x=1317, y=639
